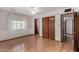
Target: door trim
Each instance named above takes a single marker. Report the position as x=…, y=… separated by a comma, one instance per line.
x=62, y=23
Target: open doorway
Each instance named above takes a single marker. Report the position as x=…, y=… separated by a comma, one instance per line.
x=67, y=29
x=36, y=27
x=70, y=28
x=67, y=26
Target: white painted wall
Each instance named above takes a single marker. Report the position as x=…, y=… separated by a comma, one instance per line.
x=5, y=25
x=57, y=14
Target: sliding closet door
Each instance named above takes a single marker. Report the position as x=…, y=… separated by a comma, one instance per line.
x=45, y=26
x=52, y=27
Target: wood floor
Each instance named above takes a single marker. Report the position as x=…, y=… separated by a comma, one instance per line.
x=35, y=44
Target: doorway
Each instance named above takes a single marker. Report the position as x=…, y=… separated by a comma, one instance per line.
x=48, y=27
x=36, y=26
x=67, y=26
x=75, y=29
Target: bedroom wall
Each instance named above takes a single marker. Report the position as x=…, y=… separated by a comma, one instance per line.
x=6, y=27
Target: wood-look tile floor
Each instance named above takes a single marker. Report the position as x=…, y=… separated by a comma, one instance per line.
x=35, y=44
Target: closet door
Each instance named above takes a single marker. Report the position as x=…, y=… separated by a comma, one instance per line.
x=45, y=27
x=52, y=27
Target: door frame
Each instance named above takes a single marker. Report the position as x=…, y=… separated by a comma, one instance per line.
x=62, y=25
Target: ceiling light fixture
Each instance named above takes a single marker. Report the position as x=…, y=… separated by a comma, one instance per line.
x=34, y=10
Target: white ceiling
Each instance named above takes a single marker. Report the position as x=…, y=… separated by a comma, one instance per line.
x=27, y=10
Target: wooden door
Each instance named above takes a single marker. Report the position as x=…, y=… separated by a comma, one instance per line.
x=48, y=27
x=76, y=32
x=36, y=27
x=45, y=27
x=52, y=28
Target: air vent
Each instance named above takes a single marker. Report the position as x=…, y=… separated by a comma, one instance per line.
x=68, y=10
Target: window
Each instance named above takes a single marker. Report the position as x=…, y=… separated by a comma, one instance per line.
x=19, y=24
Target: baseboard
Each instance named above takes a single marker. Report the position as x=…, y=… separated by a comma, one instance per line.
x=17, y=37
